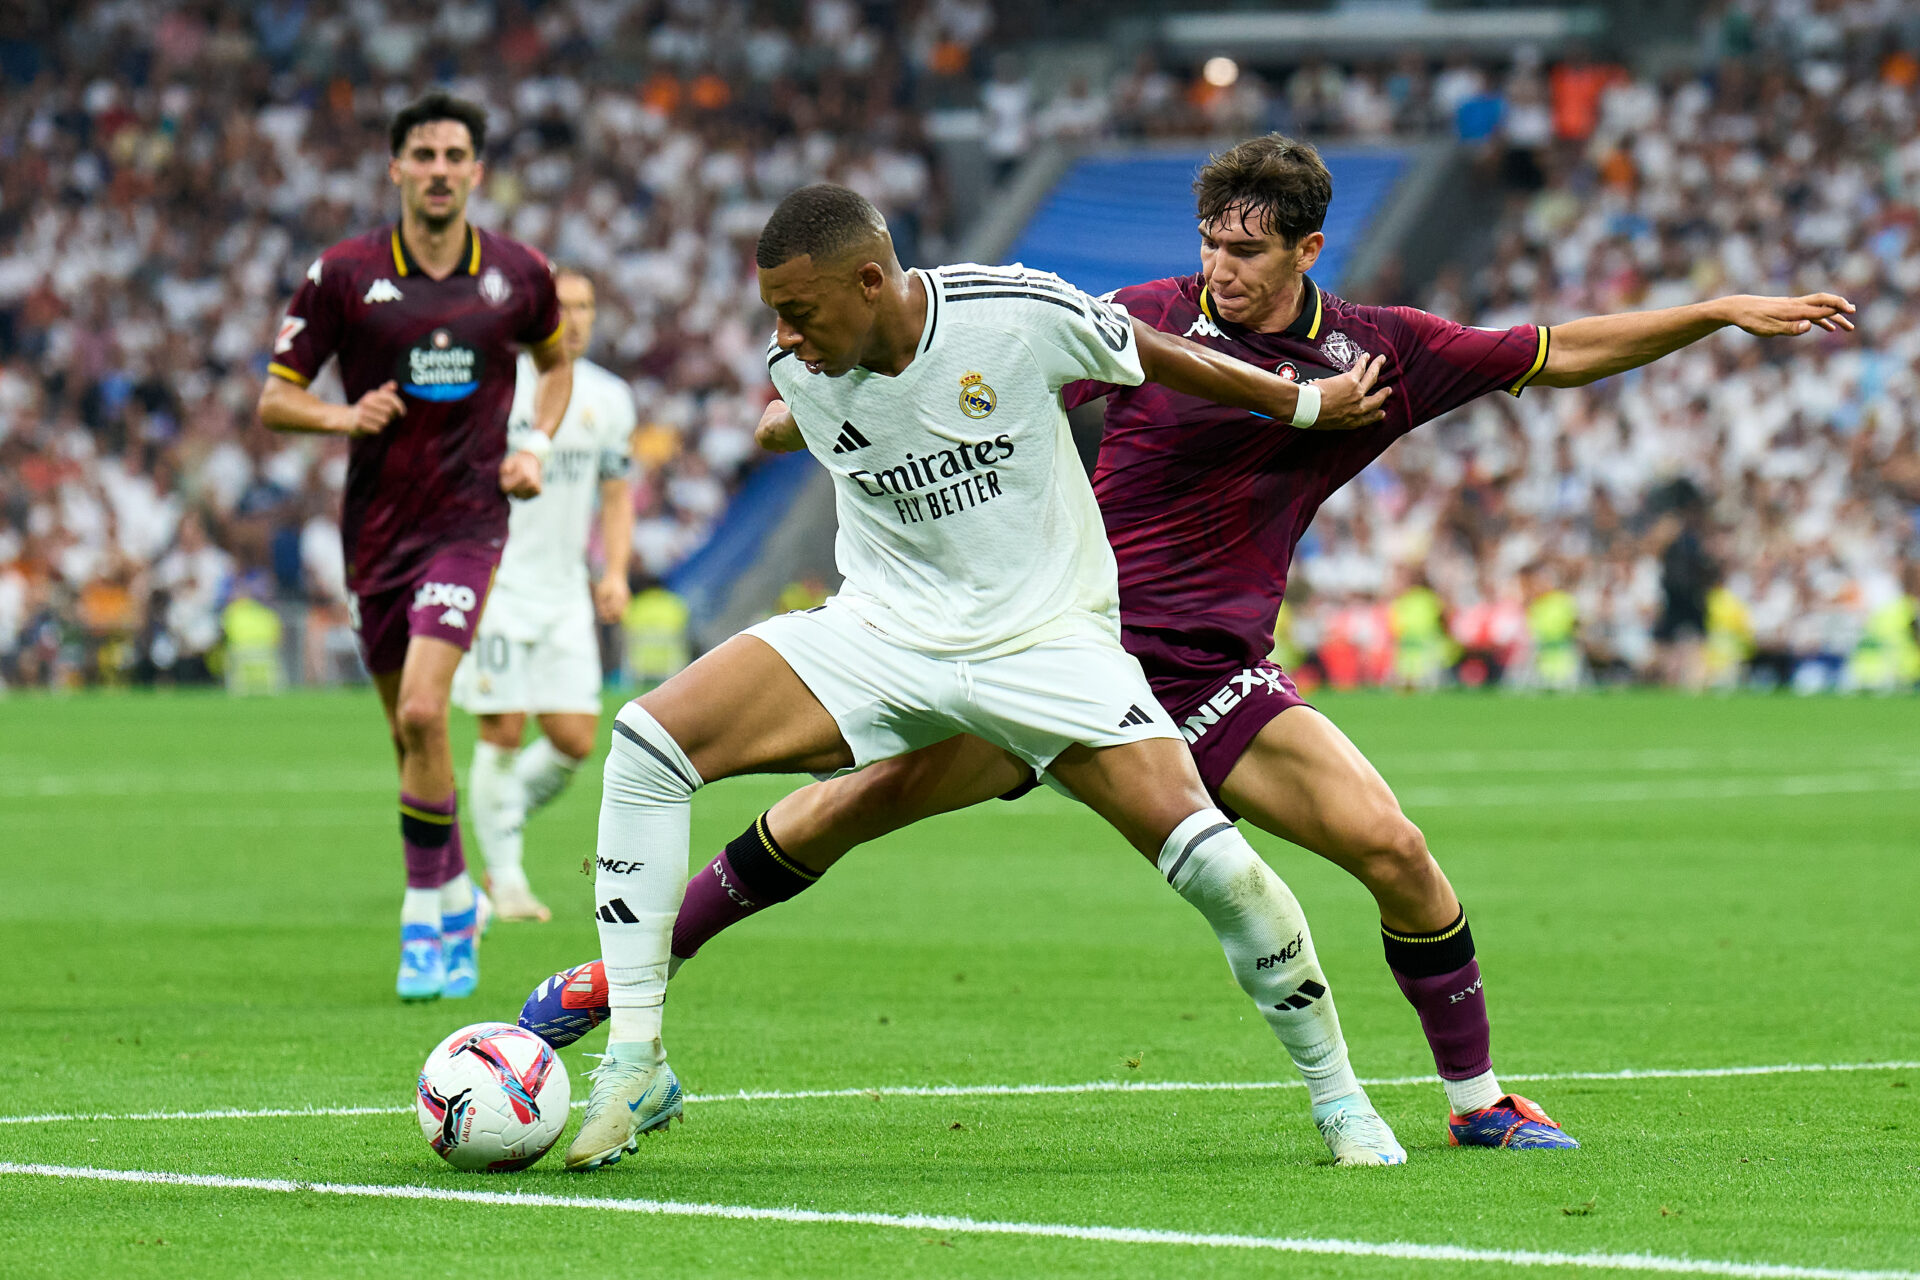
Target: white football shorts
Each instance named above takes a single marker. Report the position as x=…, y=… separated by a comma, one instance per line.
x=559, y=671
x=889, y=699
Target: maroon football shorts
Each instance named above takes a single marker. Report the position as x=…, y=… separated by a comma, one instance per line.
x=1220, y=717
x=443, y=600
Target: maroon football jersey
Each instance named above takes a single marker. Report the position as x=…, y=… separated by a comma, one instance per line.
x=431, y=479
x=1204, y=504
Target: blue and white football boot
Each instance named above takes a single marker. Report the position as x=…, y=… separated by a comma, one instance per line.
x=423, y=967
x=1356, y=1133
x=634, y=1093
x=460, y=945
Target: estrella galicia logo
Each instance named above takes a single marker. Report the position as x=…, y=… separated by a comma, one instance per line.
x=440, y=369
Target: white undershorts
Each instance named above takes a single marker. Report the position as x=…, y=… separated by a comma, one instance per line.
x=889, y=699
x=558, y=671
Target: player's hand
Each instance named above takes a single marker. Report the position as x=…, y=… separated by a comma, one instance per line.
x=1774, y=317
x=520, y=475
x=1351, y=399
x=778, y=432
x=370, y=414
x=611, y=597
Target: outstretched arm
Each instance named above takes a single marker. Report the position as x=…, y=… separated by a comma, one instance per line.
x=1346, y=401
x=1596, y=347
x=520, y=471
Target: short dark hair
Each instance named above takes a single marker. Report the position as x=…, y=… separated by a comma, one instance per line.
x=1274, y=183
x=821, y=222
x=438, y=104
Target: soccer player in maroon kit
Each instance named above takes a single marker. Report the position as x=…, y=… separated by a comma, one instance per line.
x=426, y=318
x=1204, y=506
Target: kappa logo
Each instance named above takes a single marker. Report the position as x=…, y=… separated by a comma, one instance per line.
x=382, y=290
x=1204, y=327
x=849, y=439
x=1236, y=690
x=454, y=618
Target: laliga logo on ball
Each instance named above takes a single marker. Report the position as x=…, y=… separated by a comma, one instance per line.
x=976, y=397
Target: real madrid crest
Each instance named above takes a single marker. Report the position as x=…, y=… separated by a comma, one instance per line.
x=494, y=287
x=976, y=397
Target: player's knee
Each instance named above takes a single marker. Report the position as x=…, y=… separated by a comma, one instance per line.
x=1392, y=848
x=575, y=743
x=419, y=719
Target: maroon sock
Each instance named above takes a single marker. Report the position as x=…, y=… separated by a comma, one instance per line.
x=1439, y=976
x=751, y=873
x=430, y=834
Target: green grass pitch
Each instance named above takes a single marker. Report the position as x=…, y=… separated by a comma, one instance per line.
x=197, y=911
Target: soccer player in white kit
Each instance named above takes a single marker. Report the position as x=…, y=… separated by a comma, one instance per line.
x=980, y=597
x=536, y=651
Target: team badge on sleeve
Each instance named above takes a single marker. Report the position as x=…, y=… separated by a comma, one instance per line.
x=976, y=397
x=289, y=330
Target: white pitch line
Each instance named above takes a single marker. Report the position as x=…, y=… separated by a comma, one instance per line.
x=953, y=1225
x=1010, y=1090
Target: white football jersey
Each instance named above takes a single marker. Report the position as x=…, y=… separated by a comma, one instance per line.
x=967, y=524
x=543, y=573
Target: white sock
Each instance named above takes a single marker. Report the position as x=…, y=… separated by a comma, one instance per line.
x=498, y=802
x=1264, y=933
x=1473, y=1094
x=421, y=906
x=456, y=896
x=544, y=772
x=645, y=811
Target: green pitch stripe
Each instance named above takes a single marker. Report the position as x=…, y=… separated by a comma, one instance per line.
x=951, y=1225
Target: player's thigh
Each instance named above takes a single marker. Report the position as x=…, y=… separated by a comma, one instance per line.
x=821, y=822
x=426, y=684
x=1304, y=780
x=741, y=709
x=1144, y=789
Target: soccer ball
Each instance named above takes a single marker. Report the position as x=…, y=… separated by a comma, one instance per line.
x=492, y=1097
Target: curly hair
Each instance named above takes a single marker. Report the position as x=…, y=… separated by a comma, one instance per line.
x=1272, y=183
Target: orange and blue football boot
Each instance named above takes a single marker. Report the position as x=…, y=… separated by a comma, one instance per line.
x=1513, y=1122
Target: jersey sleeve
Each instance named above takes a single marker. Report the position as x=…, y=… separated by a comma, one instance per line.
x=1074, y=336
x=520, y=413
x=310, y=332
x=542, y=327
x=1443, y=365
x=616, y=445
x=1137, y=302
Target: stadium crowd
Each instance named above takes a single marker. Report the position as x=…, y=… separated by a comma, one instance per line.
x=168, y=171
x=1737, y=511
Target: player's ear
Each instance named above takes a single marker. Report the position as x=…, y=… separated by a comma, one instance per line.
x=1309, y=250
x=393, y=170
x=873, y=278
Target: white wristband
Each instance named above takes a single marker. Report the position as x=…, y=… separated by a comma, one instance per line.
x=1306, y=410
x=540, y=444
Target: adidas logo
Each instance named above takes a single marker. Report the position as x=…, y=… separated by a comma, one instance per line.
x=1135, y=716
x=1304, y=995
x=616, y=912
x=850, y=439
x=382, y=290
